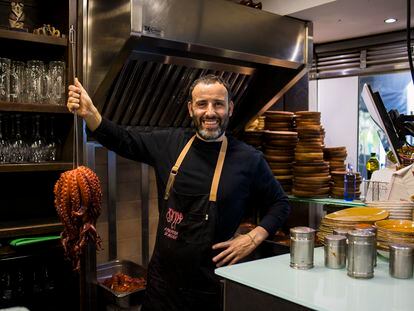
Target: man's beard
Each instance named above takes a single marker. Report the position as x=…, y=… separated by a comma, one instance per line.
x=210, y=134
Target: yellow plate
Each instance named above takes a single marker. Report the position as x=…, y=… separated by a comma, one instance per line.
x=358, y=214
x=395, y=225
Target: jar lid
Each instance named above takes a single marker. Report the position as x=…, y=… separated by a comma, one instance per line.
x=302, y=231
x=335, y=239
x=402, y=249
x=340, y=231
x=361, y=234
x=365, y=227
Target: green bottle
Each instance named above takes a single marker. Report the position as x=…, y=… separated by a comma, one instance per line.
x=372, y=165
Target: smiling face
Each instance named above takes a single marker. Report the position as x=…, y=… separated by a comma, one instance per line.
x=210, y=110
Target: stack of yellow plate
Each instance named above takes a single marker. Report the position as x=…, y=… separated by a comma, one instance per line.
x=348, y=219
x=393, y=231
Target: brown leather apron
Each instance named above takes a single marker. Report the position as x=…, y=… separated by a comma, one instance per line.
x=181, y=273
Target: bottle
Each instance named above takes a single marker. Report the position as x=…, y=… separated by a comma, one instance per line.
x=372, y=165
x=349, y=184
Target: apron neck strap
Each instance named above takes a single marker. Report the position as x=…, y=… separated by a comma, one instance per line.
x=217, y=171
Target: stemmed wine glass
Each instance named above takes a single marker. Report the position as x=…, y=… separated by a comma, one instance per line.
x=38, y=146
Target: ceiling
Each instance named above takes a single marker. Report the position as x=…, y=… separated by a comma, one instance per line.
x=343, y=19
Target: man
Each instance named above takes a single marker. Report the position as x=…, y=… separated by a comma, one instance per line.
x=205, y=181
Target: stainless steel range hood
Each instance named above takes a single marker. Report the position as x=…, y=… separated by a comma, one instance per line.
x=142, y=56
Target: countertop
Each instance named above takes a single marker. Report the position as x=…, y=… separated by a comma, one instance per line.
x=321, y=288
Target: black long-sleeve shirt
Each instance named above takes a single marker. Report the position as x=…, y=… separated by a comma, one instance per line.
x=246, y=180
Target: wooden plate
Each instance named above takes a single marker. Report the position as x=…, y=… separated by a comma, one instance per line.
x=275, y=148
x=281, y=133
x=308, y=180
x=307, y=113
x=303, y=175
x=285, y=177
x=275, y=165
x=311, y=169
x=319, y=163
x=279, y=113
x=279, y=158
x=313, y=184
x=311, y=194
x=307, y=122
x=301, y=157
x=334, y=149
x=311, y=188
x=282, y=171
x=286, y=152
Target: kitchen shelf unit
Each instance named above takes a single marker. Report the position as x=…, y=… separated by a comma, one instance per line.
x=27, y=200
x=30, y=37
x=27, y=107
x=35, y=167
x=19, y=179
x=35, y=226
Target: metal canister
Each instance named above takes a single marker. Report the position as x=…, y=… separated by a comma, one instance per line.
x=335, y=251
x=360, y=261
x=302, y=242
x=401, y=261
x=373, y=229
x=340, y=231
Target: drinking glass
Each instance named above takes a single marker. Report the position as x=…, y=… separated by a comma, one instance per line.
x=38, y=145
x=35, y=81
x=52, y=141
x=4, y=144
x=56, y=85
x=18, y=147
x=4, y=79
x=17, y=77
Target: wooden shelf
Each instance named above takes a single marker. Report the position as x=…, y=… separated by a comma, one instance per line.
x=35, y=167
x=30, y=227
x=25, y=107
x=26, y=36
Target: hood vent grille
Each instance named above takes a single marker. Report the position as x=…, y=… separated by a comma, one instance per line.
x=152, y=90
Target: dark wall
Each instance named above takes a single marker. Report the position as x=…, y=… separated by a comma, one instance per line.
x=296, y=99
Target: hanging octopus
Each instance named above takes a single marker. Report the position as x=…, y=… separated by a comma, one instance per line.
x=78, y=198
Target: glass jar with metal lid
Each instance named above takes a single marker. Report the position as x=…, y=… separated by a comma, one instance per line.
x=401, y=261
x=335, y=251
x=302, y=242
x=360, y=257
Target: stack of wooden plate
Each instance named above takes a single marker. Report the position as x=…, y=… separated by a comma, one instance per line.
x=337, y=184
x=253, y=138
x=279, y=152
x=279, y=120
x=396, y=209
x=336, y=157
x=348, y=218
x=311, y=172
x=392, y=231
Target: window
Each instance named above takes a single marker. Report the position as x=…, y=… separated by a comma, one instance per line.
x=397, y=92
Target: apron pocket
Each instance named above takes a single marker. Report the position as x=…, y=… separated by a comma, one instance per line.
x=195, y=229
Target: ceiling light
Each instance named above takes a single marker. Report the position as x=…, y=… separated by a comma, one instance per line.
x=390, y=20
